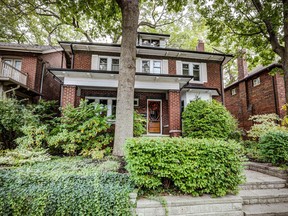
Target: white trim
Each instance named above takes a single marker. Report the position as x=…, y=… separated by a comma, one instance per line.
x=148, y=116
x=95, y=64
x=151, y=62
x=256, y=81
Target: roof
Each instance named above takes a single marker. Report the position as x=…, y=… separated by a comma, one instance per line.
x=256, y=71
x=29, y=48
x=153, y=34
x=70, y=47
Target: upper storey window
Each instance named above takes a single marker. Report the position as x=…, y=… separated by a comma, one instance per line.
x=151, y=66
x=151, y=42
x=105, y=63
x=192, y=69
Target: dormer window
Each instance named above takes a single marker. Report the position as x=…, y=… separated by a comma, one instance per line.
x=151, y=42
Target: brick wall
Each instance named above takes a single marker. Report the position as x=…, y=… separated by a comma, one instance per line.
x=172, y=66
x=82, y=60
x=256, y=100
x=68, y=96
x=174, y=113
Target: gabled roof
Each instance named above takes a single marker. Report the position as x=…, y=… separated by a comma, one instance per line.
x=70, y=47
x=256, y=71
x=41, y=49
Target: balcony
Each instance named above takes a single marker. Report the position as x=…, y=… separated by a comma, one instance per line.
x=10, y=72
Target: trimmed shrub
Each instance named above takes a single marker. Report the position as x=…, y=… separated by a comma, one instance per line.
x=139, y=125
x=273, y=147
x=194, y=166
x=204, y=119
x=68, y=187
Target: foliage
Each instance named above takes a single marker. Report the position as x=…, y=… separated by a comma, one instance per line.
x=273, y=147
x=14, y=115
x=204, y=119
x=194, y=166
x=82, y=130
x=20, y=156
x=139, y=127
x=263, y=124
x=251, y=150
x=64, y=187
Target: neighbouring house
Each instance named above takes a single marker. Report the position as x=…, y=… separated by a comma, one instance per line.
x=166, y=79
x=255, y=93
x=24, y=74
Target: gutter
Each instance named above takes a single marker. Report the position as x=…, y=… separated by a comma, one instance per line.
x=72, y=57
x=221, y=79
x=275, y=95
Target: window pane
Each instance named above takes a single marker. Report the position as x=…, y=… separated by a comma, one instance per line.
x=155, y=43
x=146, y=66
x=156, y=66
x=103, y=64
x=89, y=101
x=18, y=64
x=115, y=64
x=196, y=72
x=185, y=69
x=146, y=42
x=103, y=101
x=114, y=102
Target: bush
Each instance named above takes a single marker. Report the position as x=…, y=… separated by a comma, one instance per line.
x=251, y=149
x=274, y=147
x=139, y=126
x=264, y=124
x=194, y=166
x=82, y=130
x=204, y=119
x=64, y=187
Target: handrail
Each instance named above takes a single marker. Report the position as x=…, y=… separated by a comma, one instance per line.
x=13, y=73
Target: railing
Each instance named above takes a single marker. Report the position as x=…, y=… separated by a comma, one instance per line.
x=13, y=73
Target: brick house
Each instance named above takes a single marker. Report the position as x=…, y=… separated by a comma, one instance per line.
x=255, y=93
x=23, y=71
x=166, y=79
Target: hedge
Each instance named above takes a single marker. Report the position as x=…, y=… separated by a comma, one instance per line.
x=64, y=189
x=273, y=147
x=193, y=166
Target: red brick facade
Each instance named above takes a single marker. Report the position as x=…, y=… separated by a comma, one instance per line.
x=174, y=113
x=68, y=96
x=267, y=97
x=82, y=60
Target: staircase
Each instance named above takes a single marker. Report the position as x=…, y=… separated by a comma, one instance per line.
x=264, y=195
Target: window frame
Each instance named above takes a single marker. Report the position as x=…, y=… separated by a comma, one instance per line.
x=233, y=91
x=109, y=62
x=255, y=82
x=191, y=70
x=109, y=102
x=151, y=65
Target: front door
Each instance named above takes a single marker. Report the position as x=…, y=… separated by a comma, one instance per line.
x=154, y=116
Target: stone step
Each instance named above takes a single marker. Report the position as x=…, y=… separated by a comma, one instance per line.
x=256, y=180
x=268, y=169
x=266, y=196
x=279, y=209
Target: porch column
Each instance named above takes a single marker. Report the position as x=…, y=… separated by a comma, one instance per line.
x=1, y=90
x=68, y=95
x=174, y=107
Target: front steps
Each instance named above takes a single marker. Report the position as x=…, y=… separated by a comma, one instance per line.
x=264, y=195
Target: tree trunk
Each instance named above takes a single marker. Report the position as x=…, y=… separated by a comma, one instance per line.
x=126, y=80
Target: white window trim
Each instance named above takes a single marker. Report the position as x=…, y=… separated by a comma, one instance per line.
x=256, y=82
x=191, y=71
x=151, y=65
x=109, y=61
x=109, y=102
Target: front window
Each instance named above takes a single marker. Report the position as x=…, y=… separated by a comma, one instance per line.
x=115, y=64
x=256, y=81
x=156, y=66
x=185, y=69
x=146, y=66
x=196, y=72
x=103, y=64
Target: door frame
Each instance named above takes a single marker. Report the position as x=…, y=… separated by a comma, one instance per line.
x=148, y=116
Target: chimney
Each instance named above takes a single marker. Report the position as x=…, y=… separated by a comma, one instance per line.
x=200, y=46
x=242, y=64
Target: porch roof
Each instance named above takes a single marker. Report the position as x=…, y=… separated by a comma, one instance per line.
x=96, y=78
x=70, y=47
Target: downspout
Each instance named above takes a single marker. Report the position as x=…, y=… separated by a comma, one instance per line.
x=221, y=79
x=275, y=95
x=42, y=80
x=247, y=97
x=13, y=89
x=72, y=57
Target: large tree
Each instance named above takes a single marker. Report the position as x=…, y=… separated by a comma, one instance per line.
x=258, y=25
